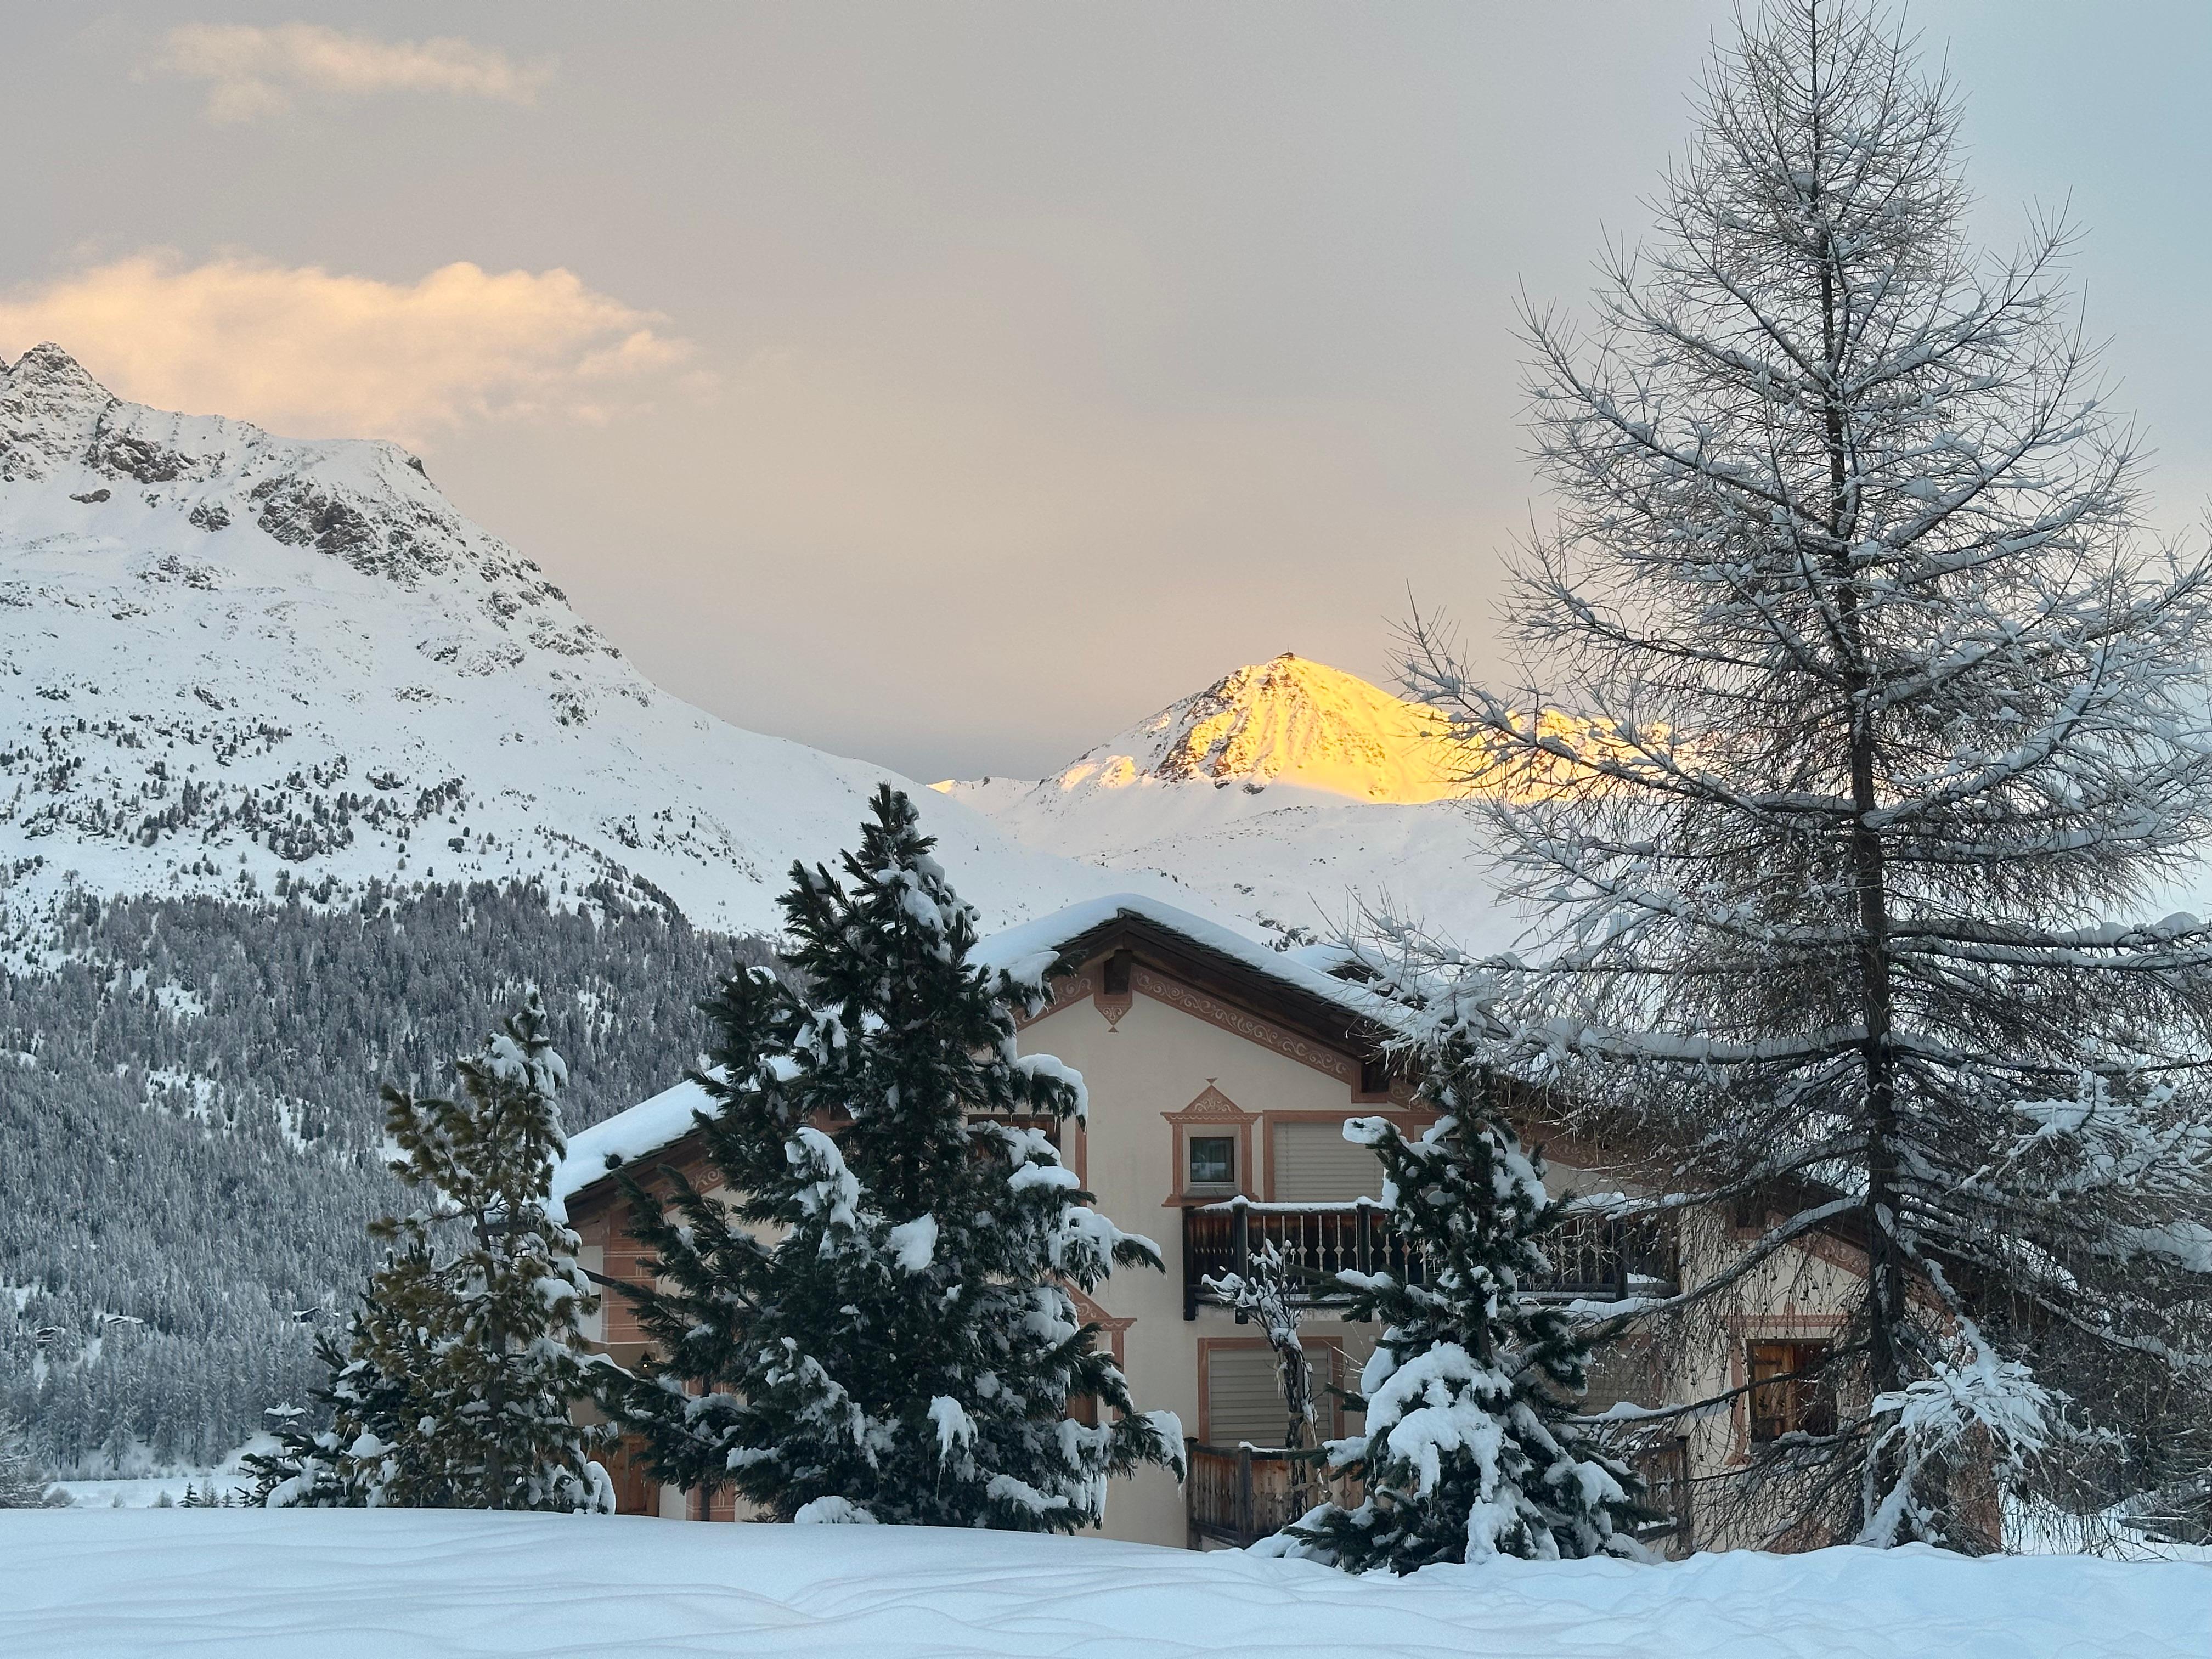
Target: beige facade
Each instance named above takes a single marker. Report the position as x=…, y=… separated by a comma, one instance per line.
x=1165, y=1066
x=1215, y=1075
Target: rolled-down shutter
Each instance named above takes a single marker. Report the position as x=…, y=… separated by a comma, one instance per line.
x=1313, y=1163
x=1243, y=1402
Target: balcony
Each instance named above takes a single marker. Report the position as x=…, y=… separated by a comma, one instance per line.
x=1594, y=1258
x=1237, y=1495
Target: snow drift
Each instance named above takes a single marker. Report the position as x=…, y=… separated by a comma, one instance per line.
x=394, y=1583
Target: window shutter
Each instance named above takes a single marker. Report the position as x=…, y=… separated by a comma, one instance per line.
x=1243, y=1401
x=1313, y=1163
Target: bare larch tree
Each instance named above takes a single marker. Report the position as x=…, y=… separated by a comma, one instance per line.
x=1855, y=701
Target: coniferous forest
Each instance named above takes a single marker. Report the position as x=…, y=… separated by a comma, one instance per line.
x=191, y=1138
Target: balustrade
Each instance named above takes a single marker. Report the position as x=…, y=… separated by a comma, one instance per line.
x=1592, y=1258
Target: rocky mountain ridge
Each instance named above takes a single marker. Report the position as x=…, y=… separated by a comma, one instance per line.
x=242, y=665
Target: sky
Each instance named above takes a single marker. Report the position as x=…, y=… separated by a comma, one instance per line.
x=953, y=385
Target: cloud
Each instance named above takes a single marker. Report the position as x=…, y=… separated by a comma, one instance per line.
x=253, y=72
x=309, y=352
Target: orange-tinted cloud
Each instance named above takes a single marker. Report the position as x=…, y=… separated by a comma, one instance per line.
x=254, y=72
x=314, y=353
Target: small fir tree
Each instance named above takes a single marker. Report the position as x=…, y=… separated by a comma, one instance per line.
x=878, y=1325
x=1471, y=1448
x=23, y=1483
x=454, y=1388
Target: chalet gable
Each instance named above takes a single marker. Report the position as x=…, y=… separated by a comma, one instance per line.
x=1129, y=946
x=1114, y=949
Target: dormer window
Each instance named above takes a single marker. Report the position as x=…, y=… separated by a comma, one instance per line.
x=1212, y=1163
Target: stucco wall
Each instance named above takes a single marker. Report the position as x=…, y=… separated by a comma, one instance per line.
x=1156, y=1060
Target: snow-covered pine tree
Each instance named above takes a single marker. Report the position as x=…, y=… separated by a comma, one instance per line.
x=1876, y=707
x=23, y=1483
x=1471, y=1449
x=877, y=1326
x=361, y=1405
x=454, y=1388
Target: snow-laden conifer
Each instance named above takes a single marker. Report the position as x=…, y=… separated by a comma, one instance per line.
x=1884, y=707
x=23, y=1483
x=1471, y=1449
x=876, y=1325
x=454, y=1387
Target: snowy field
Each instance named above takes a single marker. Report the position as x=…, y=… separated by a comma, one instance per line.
x=388, y=1584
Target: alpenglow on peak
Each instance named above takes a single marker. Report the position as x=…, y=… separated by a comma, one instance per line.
x=1288, y=721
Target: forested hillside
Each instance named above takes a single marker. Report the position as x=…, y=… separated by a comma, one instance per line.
x=190, y=1126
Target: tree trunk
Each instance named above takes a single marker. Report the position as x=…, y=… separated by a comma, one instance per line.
x=1869, y=876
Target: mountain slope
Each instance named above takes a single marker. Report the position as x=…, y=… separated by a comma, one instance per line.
x=237, y=670
x=1288, y=792
x=237, y=664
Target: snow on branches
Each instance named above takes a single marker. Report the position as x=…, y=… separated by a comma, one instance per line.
x=1471, y=1448
x=876, y=1325
x=1864, y=703
x=455, y=1385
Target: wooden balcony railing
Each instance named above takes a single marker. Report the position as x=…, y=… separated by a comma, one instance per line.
x=1665, y=1465
x=1237, y=1495
x=1592, y=1258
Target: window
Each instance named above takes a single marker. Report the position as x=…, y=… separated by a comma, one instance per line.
x=1788, y=1394
x=1374, y=1075
x=1213, y=1161
x=1315, y=1164
x=1116, y=975
x=1244, y=1399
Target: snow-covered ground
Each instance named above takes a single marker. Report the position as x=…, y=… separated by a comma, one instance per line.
x=146, y=1491
x=393, y=1583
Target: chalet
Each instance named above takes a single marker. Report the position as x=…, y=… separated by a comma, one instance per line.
x=1220, y=1074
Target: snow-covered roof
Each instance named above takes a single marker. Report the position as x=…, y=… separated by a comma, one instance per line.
x=1028, y=949
x=635, y=1132
x=1026, y=952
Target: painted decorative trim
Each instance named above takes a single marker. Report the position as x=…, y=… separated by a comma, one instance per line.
x=1211, y=1105
x=1067, y=990
x=1250, y=1027
x=1212, y=1109
x=1116, y=1326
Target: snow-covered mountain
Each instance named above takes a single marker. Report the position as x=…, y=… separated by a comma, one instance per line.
x=238, y=663
x=1288, y=792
